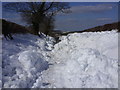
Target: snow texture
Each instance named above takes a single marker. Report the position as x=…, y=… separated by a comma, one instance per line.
x=80, y=60
x=0, y=61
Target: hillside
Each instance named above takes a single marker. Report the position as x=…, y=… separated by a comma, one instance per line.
x=13, y=27
x=106, y=27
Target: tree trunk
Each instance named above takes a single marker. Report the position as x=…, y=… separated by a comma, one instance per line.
x=36, y=28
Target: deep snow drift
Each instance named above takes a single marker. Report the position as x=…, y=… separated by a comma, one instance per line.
x=86, y=60
x=24, y=58
x=80, y=60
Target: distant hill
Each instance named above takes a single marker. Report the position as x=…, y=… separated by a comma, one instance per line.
x=106, y=27
x=13, y=27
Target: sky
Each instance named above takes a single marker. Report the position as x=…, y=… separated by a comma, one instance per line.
x=83, y=15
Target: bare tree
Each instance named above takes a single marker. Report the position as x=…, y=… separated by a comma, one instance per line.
x=35, y=13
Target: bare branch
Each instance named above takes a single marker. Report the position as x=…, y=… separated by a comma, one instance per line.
x=36, y=13
x=49, y=6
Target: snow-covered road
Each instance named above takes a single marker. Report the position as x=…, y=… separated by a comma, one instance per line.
x=80, y=60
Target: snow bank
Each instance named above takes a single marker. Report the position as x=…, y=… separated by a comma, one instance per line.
x=86, y=60
x=24, y=59
x=80, y=60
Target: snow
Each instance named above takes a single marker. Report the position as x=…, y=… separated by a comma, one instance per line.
x=80, y=60
x=87, y=60
x=0, y=61
x=24, y=59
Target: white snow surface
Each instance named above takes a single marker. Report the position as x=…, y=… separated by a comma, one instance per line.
x=0, y=62
x=79, y=60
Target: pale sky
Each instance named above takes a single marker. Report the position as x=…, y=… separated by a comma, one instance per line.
x=84, y=15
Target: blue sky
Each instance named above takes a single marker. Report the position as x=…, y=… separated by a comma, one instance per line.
x=84, y=15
